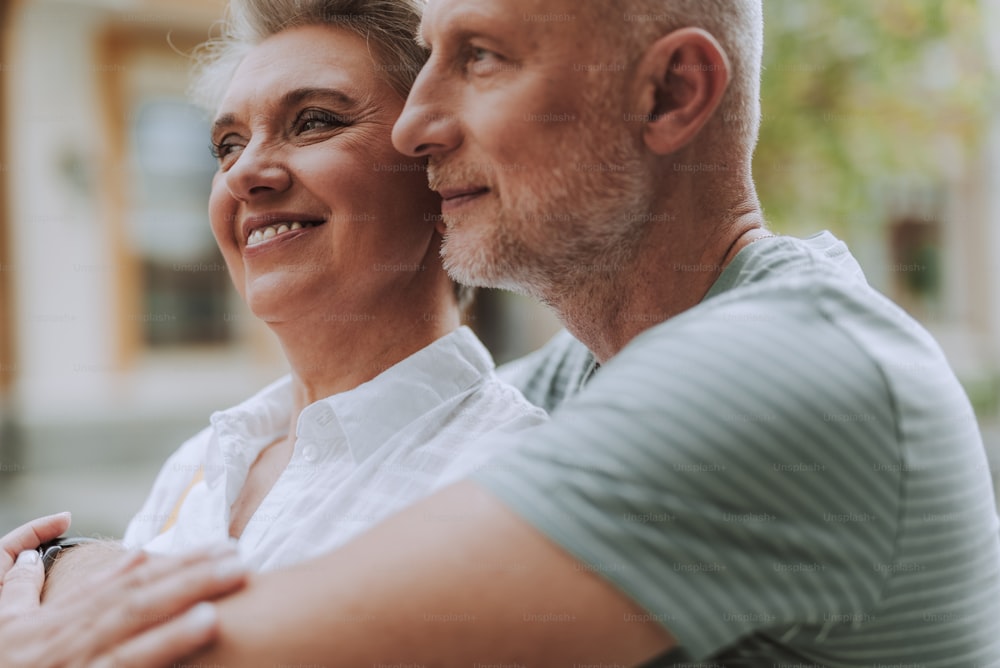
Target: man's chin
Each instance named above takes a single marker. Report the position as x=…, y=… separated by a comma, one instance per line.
x=485, y=253
x=473, y=268
x=477, y=270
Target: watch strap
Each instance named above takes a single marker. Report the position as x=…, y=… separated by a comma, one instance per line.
x=51, y=550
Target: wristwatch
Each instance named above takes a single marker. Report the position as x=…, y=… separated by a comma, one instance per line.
x=50, y=550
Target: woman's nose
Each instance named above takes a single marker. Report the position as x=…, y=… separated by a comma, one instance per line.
x=257, y=171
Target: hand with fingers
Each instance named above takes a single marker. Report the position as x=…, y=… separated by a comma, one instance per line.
x=149, y=612
x=28, y=537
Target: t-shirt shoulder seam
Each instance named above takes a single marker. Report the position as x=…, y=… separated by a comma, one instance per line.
x=890, y=394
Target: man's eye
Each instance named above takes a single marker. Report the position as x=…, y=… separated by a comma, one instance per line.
x=481, y=55
x=483, y=61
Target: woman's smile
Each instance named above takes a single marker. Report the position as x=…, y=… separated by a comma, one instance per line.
x=262, y=233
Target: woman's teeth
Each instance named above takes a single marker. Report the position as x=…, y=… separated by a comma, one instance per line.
x=263, y=234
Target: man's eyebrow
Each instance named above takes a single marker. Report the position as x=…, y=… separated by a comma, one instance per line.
x=290, y=99
x=461, y=24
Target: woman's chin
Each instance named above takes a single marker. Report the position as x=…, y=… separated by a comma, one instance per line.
x=274, y=300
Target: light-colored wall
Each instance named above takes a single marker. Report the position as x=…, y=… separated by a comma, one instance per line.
x=93, y=433
x=6, y=308
x=64, y=281
x=62, y=286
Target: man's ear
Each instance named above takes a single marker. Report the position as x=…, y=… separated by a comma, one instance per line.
x=682, y=78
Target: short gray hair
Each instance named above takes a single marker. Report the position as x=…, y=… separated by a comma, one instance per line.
x=388, y=26
x=739, y=27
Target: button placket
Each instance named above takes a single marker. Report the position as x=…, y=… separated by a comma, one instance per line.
x=310, y=453
x=313, y=446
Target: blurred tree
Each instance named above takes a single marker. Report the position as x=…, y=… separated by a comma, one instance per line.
x=857, y=91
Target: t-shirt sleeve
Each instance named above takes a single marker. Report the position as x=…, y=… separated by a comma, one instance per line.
x=732, y=475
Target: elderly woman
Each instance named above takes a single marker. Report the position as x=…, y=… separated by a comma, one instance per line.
x=330, y=236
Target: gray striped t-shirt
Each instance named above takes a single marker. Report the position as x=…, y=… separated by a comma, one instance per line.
x=788, y=474
x=553, y=373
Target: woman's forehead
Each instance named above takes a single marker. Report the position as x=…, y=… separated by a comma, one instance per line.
x=302, y=59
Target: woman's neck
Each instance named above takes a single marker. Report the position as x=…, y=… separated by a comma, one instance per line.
x=332, y=355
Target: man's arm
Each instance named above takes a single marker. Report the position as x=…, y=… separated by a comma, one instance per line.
x=454, y=580
x=76, y=567
x=145, y=613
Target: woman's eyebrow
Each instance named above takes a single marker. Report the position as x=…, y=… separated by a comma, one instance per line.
x=222, y=122
x=297, y=95
x=292, y=98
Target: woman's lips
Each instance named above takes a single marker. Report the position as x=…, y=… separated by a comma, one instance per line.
x=264, y=234
x=265, y=238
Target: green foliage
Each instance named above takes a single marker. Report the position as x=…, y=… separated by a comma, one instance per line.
x=856, y=92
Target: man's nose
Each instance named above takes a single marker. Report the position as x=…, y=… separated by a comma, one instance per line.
x=429, y=124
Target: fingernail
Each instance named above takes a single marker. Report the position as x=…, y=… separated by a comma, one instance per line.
x=28, y=557
x=201, y=617
x=230, y=569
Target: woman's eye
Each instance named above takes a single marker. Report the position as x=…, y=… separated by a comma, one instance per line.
x=313, y=119
x=225, y=147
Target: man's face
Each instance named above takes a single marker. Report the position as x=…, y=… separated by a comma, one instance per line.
x=522, y=115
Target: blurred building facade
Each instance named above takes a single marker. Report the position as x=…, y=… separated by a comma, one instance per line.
x=120, y=333
x=103, y=368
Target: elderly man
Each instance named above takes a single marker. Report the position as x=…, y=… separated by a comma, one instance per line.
x=757, y=472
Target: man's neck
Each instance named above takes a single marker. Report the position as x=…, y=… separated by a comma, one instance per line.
x=672, y=273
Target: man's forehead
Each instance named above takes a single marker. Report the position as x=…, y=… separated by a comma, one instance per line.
x=513, y=14
x=445, y=13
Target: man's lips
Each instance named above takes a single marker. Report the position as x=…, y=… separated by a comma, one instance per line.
x=452, y=198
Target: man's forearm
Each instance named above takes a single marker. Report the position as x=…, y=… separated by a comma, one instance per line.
x=79, y=565
x=452, y=581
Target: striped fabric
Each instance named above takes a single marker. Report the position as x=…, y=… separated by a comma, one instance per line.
x=552, y=374
x=787, y=475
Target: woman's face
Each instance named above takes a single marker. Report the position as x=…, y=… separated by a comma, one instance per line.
x=313, y=209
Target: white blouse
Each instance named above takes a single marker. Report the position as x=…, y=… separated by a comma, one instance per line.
x=359, y=456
